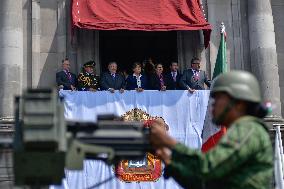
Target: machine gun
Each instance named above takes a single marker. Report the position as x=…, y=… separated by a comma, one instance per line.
x=45, y=144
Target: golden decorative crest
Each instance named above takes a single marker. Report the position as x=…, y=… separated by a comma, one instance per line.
x=136, y=115
x=147, y=169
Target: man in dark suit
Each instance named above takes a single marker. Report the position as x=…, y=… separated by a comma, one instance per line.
x=111, y=80
x=194, y=78
x=174, y=77
x=65, y=79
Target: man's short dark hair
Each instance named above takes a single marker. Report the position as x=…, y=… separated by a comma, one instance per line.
x=65, y=59
x=173, y=62
x=111, y=62
x=156, y=65
x=194, y=59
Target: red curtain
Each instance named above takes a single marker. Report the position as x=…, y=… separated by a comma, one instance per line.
x=146, y=15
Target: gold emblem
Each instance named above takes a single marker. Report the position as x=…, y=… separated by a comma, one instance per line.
x=147, y=169
x=86, y=80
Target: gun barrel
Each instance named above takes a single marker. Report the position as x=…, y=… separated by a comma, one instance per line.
x=127, y=139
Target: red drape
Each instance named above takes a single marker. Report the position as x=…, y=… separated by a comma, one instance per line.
x=146, y=15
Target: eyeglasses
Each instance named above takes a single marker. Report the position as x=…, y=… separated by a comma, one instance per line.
x=159, y=67
x=195, y=62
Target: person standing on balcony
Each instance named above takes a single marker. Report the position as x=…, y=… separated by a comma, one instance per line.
x=193, y=78
x=137, y=81
x=87, y=79
x=65, y=79
x=111, y=80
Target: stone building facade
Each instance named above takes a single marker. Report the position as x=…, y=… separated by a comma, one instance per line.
x=35, y=35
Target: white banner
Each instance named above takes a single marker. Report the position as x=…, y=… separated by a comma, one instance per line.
x=182, y=111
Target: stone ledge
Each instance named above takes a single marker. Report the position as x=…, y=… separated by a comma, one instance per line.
x=6, y=125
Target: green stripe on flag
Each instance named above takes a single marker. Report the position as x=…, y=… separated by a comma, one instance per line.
x=221, y=61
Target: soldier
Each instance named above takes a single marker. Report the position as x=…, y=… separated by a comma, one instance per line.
x=243, y=158
x=87, y=79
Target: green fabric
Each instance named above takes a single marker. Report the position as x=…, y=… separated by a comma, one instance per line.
x=221, y=61
x=242, y=159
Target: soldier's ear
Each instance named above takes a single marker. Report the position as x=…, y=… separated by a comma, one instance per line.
x=241, y=106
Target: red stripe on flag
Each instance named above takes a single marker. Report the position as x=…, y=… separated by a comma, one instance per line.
x=213, y=140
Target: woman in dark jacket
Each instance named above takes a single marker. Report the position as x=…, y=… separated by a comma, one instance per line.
x=158, y=80
x=136, y=81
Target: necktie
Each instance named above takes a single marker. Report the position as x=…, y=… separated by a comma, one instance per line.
x=196, y=75
x=161, y=80
x=174, y=76
x=113, y=76
x=69, y=75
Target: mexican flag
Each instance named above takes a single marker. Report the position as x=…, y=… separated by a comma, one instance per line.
x=221, y=61
x=215, y=134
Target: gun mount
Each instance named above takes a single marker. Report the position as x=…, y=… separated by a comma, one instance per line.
x=45, y=144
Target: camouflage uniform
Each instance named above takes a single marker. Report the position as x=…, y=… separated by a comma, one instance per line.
x=242, y=159
x=87, y=81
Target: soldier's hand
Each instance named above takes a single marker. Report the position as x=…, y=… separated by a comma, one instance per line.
x=164, y=154
x=92, y=89
x=158, y=136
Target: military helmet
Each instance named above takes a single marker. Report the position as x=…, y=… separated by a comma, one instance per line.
x=239, y=85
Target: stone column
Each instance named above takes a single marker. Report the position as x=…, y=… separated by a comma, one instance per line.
x=36, y=32
x=71, y=41
x=11, y=54
x=11, y=68
x=263, y=51
x=61, y=29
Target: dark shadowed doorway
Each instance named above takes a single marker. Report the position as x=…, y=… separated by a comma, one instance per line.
x=126, y=47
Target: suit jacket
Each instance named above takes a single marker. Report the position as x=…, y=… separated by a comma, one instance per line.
x=174, y=85
x=107, y=81
x=131, y=82
x=154, y=82
x=188, y=80
x=63, y=79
